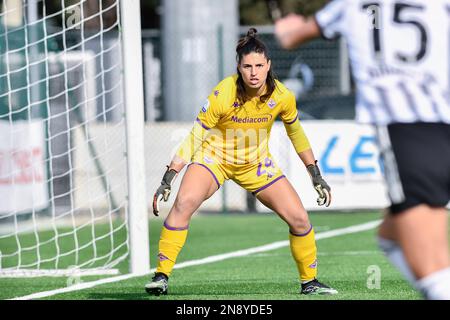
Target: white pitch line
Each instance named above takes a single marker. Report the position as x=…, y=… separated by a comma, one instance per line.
x=220, y=257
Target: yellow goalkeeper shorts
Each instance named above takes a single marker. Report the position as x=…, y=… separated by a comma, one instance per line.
x=253, y=177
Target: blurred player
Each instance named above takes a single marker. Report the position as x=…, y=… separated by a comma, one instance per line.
x=230, y=141
x=399, y=52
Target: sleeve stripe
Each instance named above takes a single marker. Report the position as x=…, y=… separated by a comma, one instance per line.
x=204, y=127
x=334, y=20
x=324, y=27
x=328, y=16
x=291, y=122
x=320, y=28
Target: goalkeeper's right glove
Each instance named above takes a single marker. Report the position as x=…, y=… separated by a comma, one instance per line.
x=321, y=186
x=164, y=189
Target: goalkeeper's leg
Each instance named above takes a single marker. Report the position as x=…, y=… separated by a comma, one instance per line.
x=196, y=186
x=282, y=198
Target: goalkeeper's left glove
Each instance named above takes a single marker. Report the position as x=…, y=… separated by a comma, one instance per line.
x=322, y=188
x=164, y=189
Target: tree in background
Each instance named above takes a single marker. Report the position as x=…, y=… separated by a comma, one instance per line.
x=255, y=12
x=91, y=10
x=151, y=14
x=106, y=19
x=251, y=12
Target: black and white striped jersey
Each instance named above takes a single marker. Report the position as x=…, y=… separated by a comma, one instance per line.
x=399, y=53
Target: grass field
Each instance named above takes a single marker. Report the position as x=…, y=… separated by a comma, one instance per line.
x=345, y=263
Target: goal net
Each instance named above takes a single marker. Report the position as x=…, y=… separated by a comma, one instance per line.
x=63, y=147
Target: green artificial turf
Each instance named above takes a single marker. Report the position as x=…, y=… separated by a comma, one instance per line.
x=350, y=263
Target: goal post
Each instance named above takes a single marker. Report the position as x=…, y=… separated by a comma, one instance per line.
x=134, y=106
x=72, y=167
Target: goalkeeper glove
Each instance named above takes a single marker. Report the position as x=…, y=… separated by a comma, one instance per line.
x=322, y=188
x=164, y=189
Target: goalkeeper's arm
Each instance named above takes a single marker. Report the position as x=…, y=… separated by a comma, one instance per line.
x=303, y=148
x=183, y=156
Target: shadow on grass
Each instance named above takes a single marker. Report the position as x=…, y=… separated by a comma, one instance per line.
x=119, y=296
x=235, y=290
x=211, y=290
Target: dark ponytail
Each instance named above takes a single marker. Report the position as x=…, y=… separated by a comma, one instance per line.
x=248, y=44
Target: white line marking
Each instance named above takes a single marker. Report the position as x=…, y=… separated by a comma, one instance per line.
x=325, y=253
x=220, y=257
x=351, y=253
x=70, y=272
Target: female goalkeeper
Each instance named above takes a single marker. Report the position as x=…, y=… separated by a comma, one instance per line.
x=230, y=141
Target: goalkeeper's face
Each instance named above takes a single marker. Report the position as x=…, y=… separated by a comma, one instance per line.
x=254, y=68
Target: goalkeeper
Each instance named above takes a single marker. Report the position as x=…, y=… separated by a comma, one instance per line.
x=230, y=141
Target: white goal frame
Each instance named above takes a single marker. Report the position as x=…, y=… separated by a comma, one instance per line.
x=134, y=109
x=138, y=237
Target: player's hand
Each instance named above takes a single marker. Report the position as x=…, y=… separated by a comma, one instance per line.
x=322, y=188
x=164, y=189
x=288, y=29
